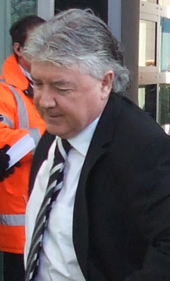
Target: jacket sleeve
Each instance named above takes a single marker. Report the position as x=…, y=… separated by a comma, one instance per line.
x=9, y=120
x=149, y=208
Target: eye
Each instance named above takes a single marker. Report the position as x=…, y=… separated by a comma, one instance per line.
x=37, y=85
x=62, y=91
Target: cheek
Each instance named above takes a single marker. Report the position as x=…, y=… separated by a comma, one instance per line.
x=36, y=98
x=72, y=112
x=77, y=114
x=37, y=105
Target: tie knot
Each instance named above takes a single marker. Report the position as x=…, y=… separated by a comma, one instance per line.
x=62, y=149
x=66, y=145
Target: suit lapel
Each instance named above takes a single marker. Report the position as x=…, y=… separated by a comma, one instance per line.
x=102, y=137
x=40, y=155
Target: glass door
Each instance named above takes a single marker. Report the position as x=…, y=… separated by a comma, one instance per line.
x=22, y=8
x=11, y=11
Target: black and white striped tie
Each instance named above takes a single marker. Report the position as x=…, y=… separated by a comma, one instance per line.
x=52, y=190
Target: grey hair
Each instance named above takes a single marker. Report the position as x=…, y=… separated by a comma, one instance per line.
x=77, y=36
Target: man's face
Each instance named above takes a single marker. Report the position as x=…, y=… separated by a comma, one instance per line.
x=68, y=99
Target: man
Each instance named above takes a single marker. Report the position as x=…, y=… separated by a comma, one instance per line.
x=103, y=214
x=18, y=117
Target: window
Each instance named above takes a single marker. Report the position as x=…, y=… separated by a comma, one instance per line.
x=147, y=43
x=147, y=99
x=154, y=60
x=165, y=44
x=151, y=1
x=164, y=104
x=164, y=2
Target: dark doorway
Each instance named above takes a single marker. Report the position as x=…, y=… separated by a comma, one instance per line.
x=100, y=7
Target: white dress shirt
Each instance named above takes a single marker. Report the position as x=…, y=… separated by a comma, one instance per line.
x=58, y=260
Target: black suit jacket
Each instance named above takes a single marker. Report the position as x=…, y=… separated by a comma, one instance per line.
x=121, y=220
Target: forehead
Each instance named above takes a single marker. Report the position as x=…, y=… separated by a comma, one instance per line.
x=75, y=77
x=48, y=71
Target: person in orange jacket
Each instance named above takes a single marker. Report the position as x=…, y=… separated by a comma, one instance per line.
x=18, y=118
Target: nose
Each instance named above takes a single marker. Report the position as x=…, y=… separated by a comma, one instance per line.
x=46, y=98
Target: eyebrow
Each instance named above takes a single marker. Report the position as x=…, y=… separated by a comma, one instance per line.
x=62, y=83
x=57, y=83
x=34, y=79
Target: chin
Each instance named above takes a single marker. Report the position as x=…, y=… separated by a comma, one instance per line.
x=55, y=131
x=51, y=131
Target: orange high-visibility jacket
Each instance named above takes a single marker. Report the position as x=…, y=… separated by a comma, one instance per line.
x=18, y=117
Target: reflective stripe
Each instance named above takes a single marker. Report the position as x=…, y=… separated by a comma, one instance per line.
x=35, y=134
x=22, y=111
x=5, y=119
x=12, y=220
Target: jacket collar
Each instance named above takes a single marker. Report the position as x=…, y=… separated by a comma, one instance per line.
x=13, y=74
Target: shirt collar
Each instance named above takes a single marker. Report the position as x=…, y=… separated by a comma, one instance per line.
x=82, y=141
x=26, y=73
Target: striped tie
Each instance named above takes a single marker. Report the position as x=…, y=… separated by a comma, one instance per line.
x=53, y=189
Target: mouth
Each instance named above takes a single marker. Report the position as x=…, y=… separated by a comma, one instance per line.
x=53, y=117
x=51, y=114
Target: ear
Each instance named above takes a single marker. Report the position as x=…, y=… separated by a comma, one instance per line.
x=17, y=49
x=107, y=84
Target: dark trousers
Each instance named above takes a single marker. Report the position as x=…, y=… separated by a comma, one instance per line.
x=13, y=267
